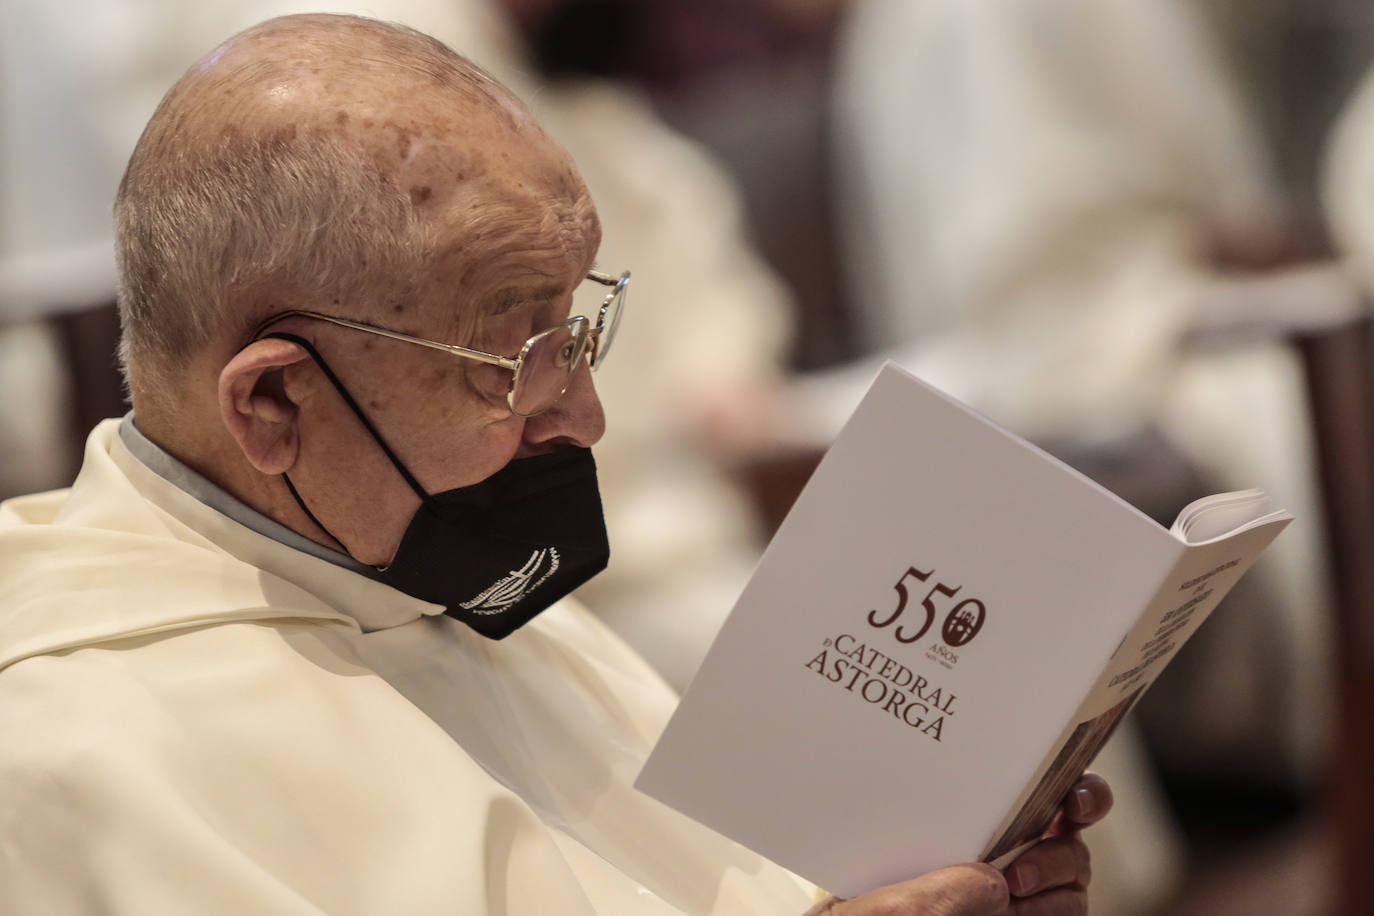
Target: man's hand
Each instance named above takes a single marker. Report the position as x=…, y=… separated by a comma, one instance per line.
x=1049, y=879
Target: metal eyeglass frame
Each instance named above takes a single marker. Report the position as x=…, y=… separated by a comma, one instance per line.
x=592, y=338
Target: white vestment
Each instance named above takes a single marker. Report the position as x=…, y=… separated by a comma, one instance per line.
x=198, y=718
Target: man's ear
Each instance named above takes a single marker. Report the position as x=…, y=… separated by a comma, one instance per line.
x=255, y=407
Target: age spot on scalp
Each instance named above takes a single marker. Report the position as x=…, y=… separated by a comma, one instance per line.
x=341, y=118
x=420, y=195
x=403, y=142
x=466, y=167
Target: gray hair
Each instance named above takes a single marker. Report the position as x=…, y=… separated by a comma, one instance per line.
x=257, y=227
x=221, y=221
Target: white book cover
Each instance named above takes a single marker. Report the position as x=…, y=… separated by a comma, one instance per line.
x=942, y=633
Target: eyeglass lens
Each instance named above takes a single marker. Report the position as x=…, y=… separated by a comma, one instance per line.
x=609, y=320
x=547, y=367
x=552, y=356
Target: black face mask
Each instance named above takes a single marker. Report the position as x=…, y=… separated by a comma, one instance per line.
x=498, y=552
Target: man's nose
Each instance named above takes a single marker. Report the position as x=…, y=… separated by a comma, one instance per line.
x=577, y=418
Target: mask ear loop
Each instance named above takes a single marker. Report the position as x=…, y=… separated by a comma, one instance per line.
x=306, y=509
x=353, y=405
x=362, y=417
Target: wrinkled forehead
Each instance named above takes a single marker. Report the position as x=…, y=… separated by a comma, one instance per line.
x=508, y=221
x=501, y=203
x=509, y=238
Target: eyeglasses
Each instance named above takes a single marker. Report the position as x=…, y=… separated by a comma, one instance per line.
x=543, y=369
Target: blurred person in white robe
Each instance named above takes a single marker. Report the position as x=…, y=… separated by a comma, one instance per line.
x=1347, y=190
x=1039, y=235
x=46, y=224
x=1039, y=200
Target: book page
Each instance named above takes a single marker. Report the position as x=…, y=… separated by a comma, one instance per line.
x=933, y=610
x=1205, y=573
x=1220, y=516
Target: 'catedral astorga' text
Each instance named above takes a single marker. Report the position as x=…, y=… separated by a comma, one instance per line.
x=884, y=683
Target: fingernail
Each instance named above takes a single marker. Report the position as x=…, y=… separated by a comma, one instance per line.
x=1084, y=802
x=1025, y=878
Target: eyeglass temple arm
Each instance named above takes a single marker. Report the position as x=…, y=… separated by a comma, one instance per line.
x=490, y=359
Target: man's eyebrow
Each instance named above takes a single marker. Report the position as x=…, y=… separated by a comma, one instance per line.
x=512, y=298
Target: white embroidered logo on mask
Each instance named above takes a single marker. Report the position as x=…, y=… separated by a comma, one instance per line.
x=507, y=591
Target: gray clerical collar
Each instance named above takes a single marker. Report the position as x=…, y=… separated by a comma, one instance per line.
x=205, y=491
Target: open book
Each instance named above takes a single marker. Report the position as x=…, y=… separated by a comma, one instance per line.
x=943, y=633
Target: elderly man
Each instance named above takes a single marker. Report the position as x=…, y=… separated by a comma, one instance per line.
x=254, y=661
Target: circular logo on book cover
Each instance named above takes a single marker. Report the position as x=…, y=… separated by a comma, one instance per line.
x=963, y=622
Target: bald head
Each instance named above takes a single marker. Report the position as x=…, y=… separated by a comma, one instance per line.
x=333, y=75
x=297, y=165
